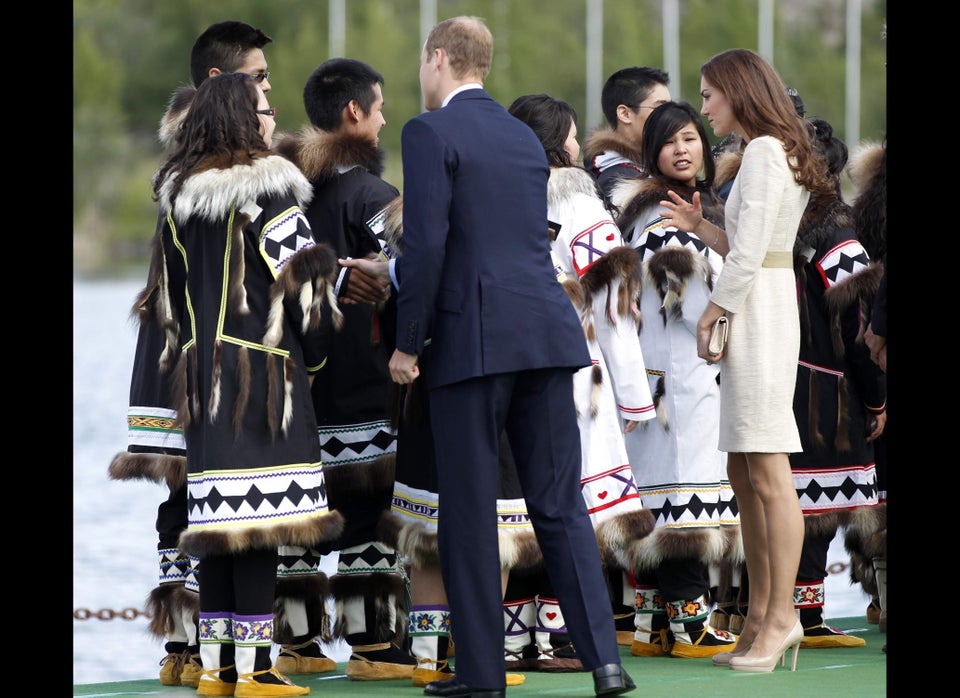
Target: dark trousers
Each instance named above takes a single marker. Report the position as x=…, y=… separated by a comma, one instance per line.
x=537, y=410
x=242, y=584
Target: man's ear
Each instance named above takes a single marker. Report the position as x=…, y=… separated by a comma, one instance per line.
x=353, y=112
x=213, y=72
x=624, y=114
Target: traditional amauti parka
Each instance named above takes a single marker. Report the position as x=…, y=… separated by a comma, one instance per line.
x=866, y=536
x=839, y=390
x=248, y=308
x=156, y=452
x=350, y=396
x=680, y=472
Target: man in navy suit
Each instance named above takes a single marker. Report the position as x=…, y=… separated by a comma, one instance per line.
x=476, y=277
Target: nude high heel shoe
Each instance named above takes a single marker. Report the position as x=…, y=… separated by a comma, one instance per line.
x=723, y=658
x=767, y=663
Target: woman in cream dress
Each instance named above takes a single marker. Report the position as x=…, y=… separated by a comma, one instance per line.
x=756, y=289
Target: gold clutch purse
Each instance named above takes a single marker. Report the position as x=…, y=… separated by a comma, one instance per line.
x=718, y=336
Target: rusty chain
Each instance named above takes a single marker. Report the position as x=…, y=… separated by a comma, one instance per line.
x=132, y=613
x=110, y=614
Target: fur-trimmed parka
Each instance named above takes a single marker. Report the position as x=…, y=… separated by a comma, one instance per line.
x=602, y=279
x=609, y=157
x=248, y=309
x=680, y=472
x=866, y=535
x=839, y=388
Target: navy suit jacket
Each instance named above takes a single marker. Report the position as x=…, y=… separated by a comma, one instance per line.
x=475, y=274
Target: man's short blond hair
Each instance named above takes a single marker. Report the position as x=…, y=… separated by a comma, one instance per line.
x=468, y=44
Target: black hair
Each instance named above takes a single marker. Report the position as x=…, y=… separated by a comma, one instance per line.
x=664, y=121
x=550, y=119
x=223, y=45
x=333, y=85
x=629, y=86
x=834, y=150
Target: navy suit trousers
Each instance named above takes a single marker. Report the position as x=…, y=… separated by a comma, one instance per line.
x=537, y=410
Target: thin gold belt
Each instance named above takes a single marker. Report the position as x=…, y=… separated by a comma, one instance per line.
x=778, y=260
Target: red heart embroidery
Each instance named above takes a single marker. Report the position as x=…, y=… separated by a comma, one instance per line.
x=602, y=495
x=551, y=615
x=610, y=237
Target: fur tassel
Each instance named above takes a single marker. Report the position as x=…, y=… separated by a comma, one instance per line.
x=213, y=408
x=836, y=335
x=193, y=363
x=334, y=306
x=171, y=329
x=842, y=442
x=274, y=331
x=237, y=292
x=596, y=379
x=307, y=302
x=316, y=265
x=272, y=390
x=289, y=370
x=813, y=412
x=179, y=391
x=243, y=388
x=658, y=405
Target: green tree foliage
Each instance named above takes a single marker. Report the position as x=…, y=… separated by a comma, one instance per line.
x=129, y=55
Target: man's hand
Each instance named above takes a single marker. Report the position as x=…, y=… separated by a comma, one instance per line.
x=369, y=281
x=403, y=367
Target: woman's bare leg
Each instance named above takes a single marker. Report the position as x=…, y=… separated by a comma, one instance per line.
x=772, y=483
x=753, y=533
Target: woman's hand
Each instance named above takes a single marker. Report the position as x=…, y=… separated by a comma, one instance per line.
x=704, y=328
x=680, y=214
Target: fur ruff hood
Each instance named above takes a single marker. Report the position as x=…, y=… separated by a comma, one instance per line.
x=633, y=196
x=176, y=111
x=865, y=163
x=727, y=165
x=605, y=138
x=823, y=214
x=565, y=182
x=217, y=186
x=321, y=154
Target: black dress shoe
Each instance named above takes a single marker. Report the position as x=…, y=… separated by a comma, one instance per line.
x=612, y=680
x=453, y=687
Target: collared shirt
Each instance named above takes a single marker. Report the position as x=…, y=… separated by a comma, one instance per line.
x=463, y=87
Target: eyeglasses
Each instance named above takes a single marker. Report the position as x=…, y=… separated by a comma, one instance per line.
x=272, y=111
x=260, y=77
